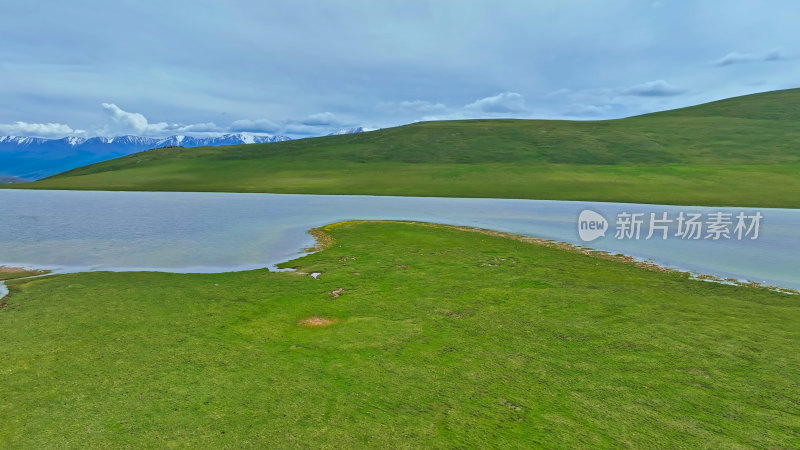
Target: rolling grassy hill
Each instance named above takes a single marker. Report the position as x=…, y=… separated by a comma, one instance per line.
x=743, y=151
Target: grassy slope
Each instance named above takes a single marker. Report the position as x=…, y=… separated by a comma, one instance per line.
x=446, y=338
x=741, y=151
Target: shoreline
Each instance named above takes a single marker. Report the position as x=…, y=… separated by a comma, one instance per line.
x=300, y=194
x=323, y=240
x=12, y=272
x=21, y=274
x=277, y=225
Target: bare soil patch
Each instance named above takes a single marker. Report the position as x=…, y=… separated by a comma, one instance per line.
x=316, y=322
x=323, y=240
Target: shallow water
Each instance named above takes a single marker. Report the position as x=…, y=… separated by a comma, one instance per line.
x=215, y=232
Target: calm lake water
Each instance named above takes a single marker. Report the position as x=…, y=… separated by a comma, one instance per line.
x=215, y=232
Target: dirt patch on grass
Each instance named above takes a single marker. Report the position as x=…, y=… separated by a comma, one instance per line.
x=316, y=322
x=336, y=293
x=323, y=239
x=453, y=314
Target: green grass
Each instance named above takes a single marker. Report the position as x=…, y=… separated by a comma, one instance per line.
x=737, y=152
x=444, y=338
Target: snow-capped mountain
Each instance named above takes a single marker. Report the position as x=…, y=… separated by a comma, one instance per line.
x=21, y=141
x=34, y=158
x=349, y=131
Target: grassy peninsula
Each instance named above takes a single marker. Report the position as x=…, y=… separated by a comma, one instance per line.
x=413, y=336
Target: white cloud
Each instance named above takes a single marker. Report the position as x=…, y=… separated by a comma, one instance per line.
x=38, y=129
x=657, y=88
x=506, y=102
x=127, y=122
x=209, y=127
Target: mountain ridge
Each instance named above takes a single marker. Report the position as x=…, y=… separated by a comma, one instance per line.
x=33, y=158
x=230, y=139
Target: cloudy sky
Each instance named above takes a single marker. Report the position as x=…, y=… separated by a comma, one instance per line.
x=301, y=67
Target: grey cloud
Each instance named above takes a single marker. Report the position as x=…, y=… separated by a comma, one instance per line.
x=410, y=110
x=300, y=129
x=320, y=119
x=276, y=65
x=558, y=93
x=657, y=88
x=585, y=110
x=422, y=106
x=505, y=104
x=740, y=58
x=774, y=55
x=259, y=125
x=314, y=124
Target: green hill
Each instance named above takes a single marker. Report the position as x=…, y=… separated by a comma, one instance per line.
x=743, y=151
x=775, y=105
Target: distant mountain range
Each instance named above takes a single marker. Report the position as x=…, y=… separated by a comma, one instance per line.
x=31, y=158
x=11, y=180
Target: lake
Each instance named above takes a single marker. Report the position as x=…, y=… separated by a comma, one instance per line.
x=68, y=231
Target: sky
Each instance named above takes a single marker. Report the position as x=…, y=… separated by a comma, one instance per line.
x=305, y=68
